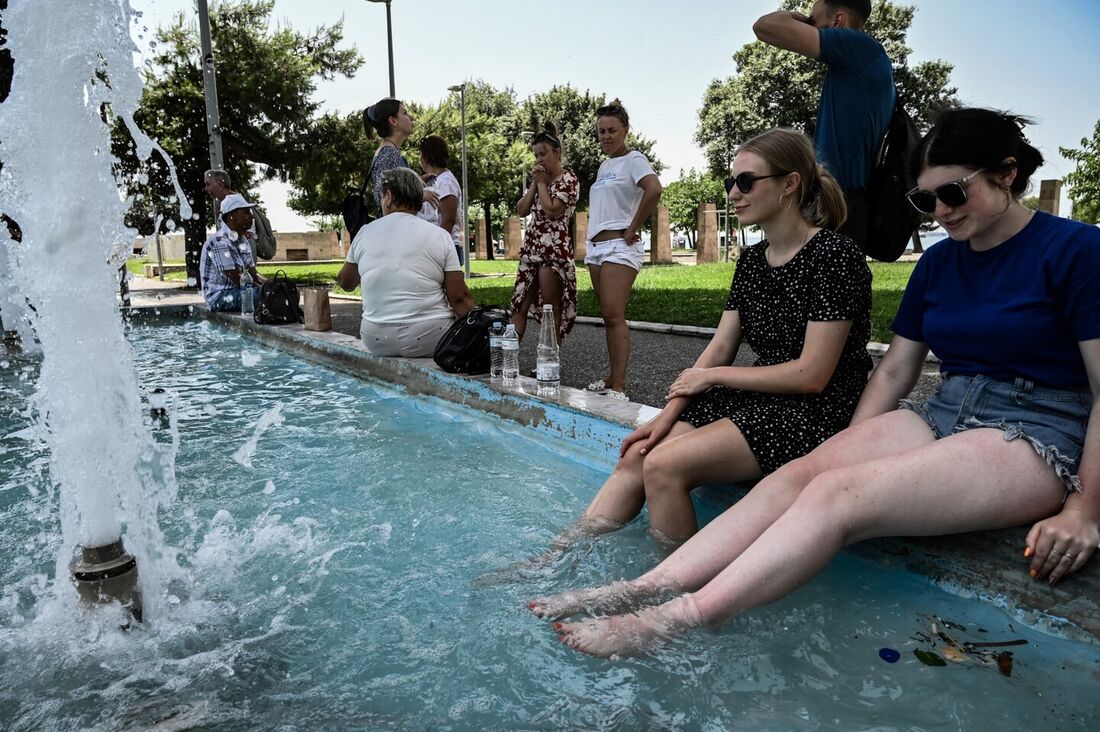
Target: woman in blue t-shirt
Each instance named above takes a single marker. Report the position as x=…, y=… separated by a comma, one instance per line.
x=1010, y=306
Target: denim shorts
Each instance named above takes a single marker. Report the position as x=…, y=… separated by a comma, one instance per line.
x=1052, y=421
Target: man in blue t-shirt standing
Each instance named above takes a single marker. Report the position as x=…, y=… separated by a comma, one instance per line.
x=857, y=97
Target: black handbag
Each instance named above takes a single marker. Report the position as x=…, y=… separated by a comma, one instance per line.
x=464, y=348
x=279, y=302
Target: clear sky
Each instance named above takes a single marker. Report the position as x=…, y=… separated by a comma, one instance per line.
x=1037, y=58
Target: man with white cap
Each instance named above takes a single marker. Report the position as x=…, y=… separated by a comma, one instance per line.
x=226, y=254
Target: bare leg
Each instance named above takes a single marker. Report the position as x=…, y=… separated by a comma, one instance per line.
x=716, y=452
x=551, y=287
x=616, y=280
x=519, y=315
x=966, y=482
x=722, y=540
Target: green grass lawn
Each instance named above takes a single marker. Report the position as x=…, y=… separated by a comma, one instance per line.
x=662, y=293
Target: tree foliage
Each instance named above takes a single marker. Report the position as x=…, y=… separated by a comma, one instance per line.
x=683, y=196
x=267, y=76
x=1084, y=181
x=777, y=88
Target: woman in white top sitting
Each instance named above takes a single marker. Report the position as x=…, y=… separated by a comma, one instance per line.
x=435, y=156
x=412, y=282
x=625, y=194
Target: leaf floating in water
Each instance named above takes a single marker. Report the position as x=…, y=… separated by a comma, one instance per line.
x=1004, y=663
x=928, y=658
x=955, y=655
x=889, y=655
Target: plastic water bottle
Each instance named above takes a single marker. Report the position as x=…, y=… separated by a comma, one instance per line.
x=548, y=363
x=509, y=352
x=247, y=304
x=496, y=356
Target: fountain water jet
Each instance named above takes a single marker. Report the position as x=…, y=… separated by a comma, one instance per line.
x=74, y=76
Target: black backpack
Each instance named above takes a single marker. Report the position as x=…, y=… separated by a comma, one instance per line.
x=891, y=219
x=464, y=348
x=355, y=210
x=278, y=302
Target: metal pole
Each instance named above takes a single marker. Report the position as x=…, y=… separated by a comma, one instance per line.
x=160, y=258
x=210, y=86
x=389, y=40
x=465, y=188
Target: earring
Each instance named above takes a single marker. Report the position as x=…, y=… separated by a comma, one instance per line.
x=788, y=206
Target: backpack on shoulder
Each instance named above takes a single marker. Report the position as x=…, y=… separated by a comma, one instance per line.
x=356, y=208
x=891, y=218
x=265, y=237
x=279, y=302
x=464, y=348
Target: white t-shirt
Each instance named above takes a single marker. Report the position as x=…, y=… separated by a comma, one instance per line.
x=445, y=184
x=614, y=197
x=401, y=261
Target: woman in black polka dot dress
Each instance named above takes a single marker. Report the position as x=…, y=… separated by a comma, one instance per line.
x=802, y=300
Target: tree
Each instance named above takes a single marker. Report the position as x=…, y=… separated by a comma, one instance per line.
x=574, y=115
x=266, y=80
x=682, y=197
x=777, y=88
x=1084, y=181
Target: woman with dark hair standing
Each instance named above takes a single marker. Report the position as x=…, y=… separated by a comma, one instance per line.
x=1009, y=303
x=802, y=300
x=388, y=119
x=435, y=157
x=546, y=272
x=624, y=196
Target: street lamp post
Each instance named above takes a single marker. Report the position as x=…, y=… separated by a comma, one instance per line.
x=461, y=89
x=210, y=88
x=389, y=41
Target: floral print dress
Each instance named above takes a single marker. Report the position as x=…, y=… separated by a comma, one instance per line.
x=546, y=243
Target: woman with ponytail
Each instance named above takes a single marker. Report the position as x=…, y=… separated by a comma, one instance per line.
x=802, y=300
x=390, y=121
x=546, y=272
x=1009, y=303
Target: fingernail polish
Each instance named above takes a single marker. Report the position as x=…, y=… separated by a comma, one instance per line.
x=1034, y=573
x=1028, y=552
x=556, y=626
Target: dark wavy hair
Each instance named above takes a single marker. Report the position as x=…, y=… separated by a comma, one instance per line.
x=980, y=139
x=615, y=109
x=548, y=134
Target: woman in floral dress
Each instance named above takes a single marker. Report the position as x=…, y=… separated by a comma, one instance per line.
x=546, y=271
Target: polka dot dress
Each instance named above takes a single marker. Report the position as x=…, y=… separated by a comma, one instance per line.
x=828, y=279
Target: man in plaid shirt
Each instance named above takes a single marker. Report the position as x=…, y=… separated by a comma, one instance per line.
x=223, y=258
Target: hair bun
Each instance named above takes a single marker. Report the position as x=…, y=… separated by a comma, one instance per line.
x=549, y=127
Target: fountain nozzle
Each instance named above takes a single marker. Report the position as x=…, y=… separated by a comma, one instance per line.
x=107, y=573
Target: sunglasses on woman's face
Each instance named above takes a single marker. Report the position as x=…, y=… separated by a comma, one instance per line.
x=744, y=181
x=952, y=194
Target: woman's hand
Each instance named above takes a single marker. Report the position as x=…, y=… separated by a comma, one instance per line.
x=631, y=235
x=689, y=382
x=1061, y=544
x=431, y=197
x=539, y=175
x=650, y=433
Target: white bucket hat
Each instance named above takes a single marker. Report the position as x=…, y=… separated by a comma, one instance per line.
x=234, y=201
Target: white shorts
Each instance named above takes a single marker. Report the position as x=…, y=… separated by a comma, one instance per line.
x=409, y=340
x=614, y=251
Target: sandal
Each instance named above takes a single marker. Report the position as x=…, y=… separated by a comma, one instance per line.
x=615, y=395
x=596, y=386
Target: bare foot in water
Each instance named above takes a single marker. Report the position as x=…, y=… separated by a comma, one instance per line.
x=585, y=528
x=634, y=634
x=613, y=598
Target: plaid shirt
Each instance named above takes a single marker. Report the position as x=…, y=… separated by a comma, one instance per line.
x=221, y=255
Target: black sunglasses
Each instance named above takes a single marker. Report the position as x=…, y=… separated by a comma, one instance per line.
x=744, y=181
x=952, y=194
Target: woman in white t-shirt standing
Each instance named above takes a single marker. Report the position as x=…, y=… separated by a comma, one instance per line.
x=625, y=194
x=435, y=157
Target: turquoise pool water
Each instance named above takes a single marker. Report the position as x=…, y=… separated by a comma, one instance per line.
x=324, y=543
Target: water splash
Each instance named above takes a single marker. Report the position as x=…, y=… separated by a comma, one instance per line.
x=74, y=75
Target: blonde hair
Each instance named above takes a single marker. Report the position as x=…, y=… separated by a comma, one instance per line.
x=820, y=197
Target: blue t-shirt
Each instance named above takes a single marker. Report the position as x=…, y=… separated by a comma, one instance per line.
x=1015, y=311
x=857, y=100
